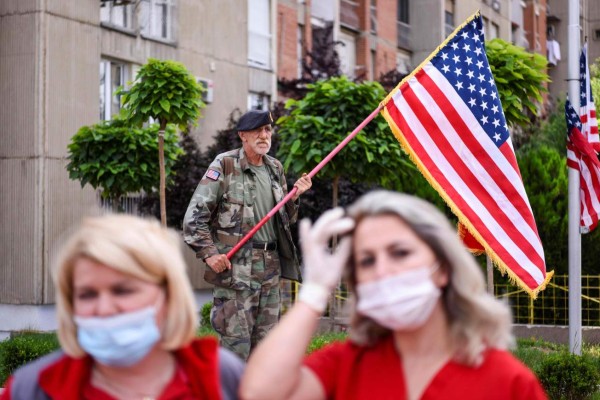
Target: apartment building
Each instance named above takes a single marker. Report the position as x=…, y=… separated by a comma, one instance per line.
x=382, y=35
x=61, y=63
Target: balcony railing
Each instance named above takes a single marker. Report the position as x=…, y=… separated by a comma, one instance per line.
x=349, y=14
x=404, y=36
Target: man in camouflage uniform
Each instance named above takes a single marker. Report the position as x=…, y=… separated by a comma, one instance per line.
x=239, y=188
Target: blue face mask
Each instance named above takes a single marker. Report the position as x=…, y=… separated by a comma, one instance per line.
x=120, y=340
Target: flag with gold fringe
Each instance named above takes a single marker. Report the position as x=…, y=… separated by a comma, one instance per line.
x=448, y=117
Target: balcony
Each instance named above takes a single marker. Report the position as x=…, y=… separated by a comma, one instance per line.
x=404, y=36
x=349, y=15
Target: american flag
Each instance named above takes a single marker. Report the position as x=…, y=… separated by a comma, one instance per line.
x=582, y=157
x=447, y=115
x=587, y=109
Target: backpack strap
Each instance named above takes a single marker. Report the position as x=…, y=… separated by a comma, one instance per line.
x=230, y=373
x=228, y=166
x=25, y=384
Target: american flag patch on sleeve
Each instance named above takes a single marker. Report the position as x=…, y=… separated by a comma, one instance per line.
x=212, y=174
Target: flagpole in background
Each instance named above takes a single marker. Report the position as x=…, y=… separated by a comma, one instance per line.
x=574, y=195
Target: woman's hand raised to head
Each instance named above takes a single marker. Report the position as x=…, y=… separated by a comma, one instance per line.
x=322, y=265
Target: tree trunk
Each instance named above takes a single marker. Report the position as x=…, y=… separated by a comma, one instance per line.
x=116, y=204
x=333, y=309
x=161, y=166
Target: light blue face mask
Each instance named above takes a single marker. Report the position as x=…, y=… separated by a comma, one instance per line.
x=120, y=340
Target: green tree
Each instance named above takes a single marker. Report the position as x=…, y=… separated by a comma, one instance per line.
x=323, y=118
x=166, y=92
x=545, y=178
x=520, y=78
x=119, y=159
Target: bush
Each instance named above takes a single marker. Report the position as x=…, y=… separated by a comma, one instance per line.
x=205, y=314
x=325, y=339
x=23, y=348
x=566, y=376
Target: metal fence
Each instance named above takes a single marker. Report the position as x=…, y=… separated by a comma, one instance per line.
x=550, y=308
x=552, y=305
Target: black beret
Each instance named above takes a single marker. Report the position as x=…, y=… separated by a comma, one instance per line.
x=254, y=119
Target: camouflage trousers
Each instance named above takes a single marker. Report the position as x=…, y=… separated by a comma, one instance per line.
x=242, y=317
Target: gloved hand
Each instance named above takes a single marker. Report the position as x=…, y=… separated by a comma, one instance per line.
x=322, y=268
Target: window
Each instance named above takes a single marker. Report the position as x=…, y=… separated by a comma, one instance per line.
x=157, y=19
x=373, y=16
x=403, y=26
x=112, y=75
x=120, y=15
x=403, y=64
x=403, y=11
x=596, y=34
x=372, y=71
x=449, y=17
x=259, y=33
x=493, y=31
x=258, y=101
x=299, y=50
x=347, y=54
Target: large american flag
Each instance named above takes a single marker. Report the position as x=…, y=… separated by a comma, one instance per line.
x=587, y=109
x=447, y=115
x=582, y=157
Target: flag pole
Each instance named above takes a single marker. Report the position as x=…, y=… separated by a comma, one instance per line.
x=311, y=174
x=574, y=194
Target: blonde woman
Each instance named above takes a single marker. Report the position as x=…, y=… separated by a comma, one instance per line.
x=127, y=322
x=423, y=327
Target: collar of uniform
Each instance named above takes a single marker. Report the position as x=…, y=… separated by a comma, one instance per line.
x=267, y=160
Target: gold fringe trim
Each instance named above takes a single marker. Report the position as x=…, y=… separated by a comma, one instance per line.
x=513, y=278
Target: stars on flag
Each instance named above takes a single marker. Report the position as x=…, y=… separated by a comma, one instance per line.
x=464, y=64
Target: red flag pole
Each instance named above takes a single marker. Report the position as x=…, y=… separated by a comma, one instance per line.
x=311, y=174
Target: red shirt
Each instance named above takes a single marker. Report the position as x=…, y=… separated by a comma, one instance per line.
x=197, y=378
x=348, y=371
x=177, y=389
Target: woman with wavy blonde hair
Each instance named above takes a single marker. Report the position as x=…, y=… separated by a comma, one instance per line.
x=422, y=324
x=127, y=322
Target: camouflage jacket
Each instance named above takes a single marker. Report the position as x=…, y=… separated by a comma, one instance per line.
x=221, y=213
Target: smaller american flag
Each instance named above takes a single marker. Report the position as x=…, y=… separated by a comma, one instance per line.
x=212, y=174
x=582, y=157
x=587, y=109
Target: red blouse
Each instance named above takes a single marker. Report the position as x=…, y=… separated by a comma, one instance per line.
x=348, y=371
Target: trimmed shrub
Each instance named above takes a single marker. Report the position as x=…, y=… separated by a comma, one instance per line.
x=23, y=348
x=325, y=339
x=567, y=376
x=205, y=314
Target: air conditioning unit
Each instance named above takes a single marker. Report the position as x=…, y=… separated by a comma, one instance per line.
x=496, y=5
x=207, y=84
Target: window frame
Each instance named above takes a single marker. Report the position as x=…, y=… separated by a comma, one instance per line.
x=107, y=91
x=257, y=32
x=147, y=30
x=129, y=24
x=263, y=100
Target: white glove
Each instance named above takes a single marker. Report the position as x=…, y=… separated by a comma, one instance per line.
x=322, y=268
